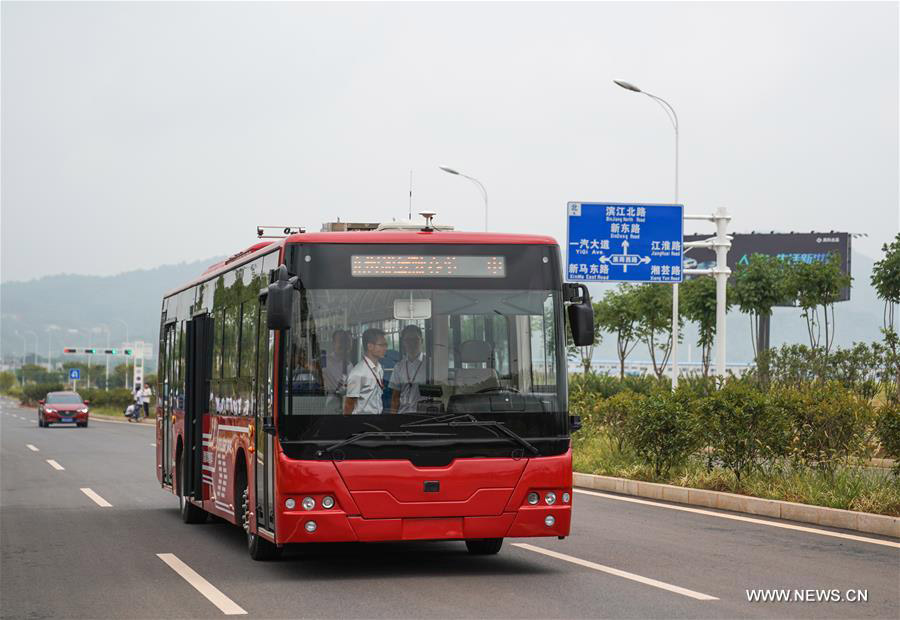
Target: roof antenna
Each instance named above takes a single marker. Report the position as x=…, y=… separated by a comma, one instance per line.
x=410, y=195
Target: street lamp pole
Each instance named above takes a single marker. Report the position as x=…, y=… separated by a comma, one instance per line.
x=480, y=185
x=126, y=341
x=673, y=118
x=106, y=328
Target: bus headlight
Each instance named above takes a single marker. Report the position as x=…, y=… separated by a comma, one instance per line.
x=289, y=503
x=549, y=521
x=550, y=498
x=310, y=526
x=533, y=498
x=327, y=502
x=308, y=503
x=566, y=498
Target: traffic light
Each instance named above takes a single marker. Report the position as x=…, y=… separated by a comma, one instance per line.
x=110, y=351
x=70, y=350
x=128, y=351
x=90, y=351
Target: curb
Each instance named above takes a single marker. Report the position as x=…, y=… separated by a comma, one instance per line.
x=777, y=509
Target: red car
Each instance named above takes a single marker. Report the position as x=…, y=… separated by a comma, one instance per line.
x=63, y=407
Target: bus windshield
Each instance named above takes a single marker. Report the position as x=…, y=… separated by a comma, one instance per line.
x=430, y=351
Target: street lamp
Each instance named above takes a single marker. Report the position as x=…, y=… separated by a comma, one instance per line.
x=50, y=331
x=673, y=118
x=484, y=194
x=35, y=346
x=106, y=329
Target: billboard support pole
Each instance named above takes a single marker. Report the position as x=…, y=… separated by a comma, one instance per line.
x=722, y=272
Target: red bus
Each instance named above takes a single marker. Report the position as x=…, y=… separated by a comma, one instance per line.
x=459, y=431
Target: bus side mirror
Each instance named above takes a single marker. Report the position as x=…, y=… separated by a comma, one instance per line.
x=280, y=300
x=581, y=314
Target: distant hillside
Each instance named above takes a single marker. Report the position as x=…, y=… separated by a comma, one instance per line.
x=73, y=302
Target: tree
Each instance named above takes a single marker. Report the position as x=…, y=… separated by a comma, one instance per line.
x=7, y=380
x=817, y=284
x=617, y=313
x=886, y=280
x=654, y=327
x=698, y=301
x=758, y=286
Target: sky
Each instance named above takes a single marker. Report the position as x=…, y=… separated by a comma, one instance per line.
x=141, y=134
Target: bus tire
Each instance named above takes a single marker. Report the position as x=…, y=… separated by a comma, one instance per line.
x=189, y=512
x=259, y=548
x=484, y=546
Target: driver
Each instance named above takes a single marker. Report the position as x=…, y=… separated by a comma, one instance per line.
x=409, y=372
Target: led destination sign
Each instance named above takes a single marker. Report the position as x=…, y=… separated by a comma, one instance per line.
x=422, y=266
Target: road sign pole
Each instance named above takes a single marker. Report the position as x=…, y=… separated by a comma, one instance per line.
x=675, y=336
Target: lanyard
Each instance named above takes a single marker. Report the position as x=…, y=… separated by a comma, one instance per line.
x=377, y=380
x=411, y=378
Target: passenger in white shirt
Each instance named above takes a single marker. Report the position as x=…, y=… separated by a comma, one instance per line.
x=409, y=372
x=365, y=383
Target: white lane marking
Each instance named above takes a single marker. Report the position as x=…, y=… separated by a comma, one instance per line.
x=212, y=593
x=55, y=465
x=97, y=499
x=32, y=448
x=152, y=445
x=710, y=513
x=618, y=573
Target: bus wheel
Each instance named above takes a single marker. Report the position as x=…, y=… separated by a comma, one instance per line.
x=189, y=512
x=485, y=546
x=260, y=549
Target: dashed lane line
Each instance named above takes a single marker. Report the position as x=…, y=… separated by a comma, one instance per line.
x=31, y=447
x=211, y=592
x=722, y=515
x=55, y=465
x=618, y=573
x=97, y=499
x=152, y=445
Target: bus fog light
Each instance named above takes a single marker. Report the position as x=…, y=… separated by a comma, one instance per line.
x=533, y=498
x=550, y=498
x=308, y=503
x=327, y=502
x=310, y=526
x=549, y=521
x=289, y=503
x=566, y=498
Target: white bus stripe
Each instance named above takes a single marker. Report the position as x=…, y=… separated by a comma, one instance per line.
x=722, y=515
x=97, y=499
x=212, y=593
x=32, y=448
x=55, y=465
x=618, y=573
x=236, y=429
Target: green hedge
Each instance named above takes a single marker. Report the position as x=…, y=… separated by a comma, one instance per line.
x=741, y=426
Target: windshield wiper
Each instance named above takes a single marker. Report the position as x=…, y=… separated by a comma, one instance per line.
x=385, y=434
x=467, y=419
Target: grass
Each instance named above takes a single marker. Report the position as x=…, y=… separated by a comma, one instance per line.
x=850, y=488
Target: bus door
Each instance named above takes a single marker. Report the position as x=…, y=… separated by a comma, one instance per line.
x=264, y=470
x=167, y=398
x=199, y=337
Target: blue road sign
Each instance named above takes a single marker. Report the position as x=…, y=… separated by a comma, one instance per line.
x=617, y=242
x=74, y=374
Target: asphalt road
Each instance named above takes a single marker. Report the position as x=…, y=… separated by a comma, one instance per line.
x=66, y=556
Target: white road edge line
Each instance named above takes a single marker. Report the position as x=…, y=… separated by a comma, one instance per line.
x=721, y=515
x=152, y=445
x=618, y=573
x=212, y=593
x=97, y=499
x=55, y=465
x=32, y=448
